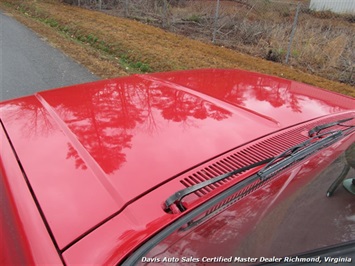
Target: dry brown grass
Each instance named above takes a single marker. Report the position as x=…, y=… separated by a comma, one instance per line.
x=109, y=45
x=324, y=43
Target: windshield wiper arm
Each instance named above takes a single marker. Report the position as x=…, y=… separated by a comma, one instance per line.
x=179, y=195
x=319, y=128
x=273, y=165
x=299, y=152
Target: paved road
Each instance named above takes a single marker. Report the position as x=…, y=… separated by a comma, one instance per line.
x=29, y=64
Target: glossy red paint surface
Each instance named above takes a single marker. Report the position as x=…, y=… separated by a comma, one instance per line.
x=114, y=245
x=24, y=239
x=284, y=101
x=91, y=151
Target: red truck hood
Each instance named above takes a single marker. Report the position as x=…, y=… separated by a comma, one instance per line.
x=90, y=150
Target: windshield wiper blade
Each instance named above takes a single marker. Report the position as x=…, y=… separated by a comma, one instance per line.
x=299, y=152
x=273, y=165
x=317, y=129
x=179, y=195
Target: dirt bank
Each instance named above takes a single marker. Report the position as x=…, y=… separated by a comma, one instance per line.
x=110, y=46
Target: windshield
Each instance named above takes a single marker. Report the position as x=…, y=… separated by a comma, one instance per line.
x=290, y=214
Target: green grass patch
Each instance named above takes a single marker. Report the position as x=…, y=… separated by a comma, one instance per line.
x=75, y=33
x=194, y=18
x=51, y=22
x=130, y=65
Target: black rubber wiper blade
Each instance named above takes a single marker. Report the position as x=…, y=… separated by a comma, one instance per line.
x=299, y=152
x=273, y=164
x=177, y=197
x=319, y=128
